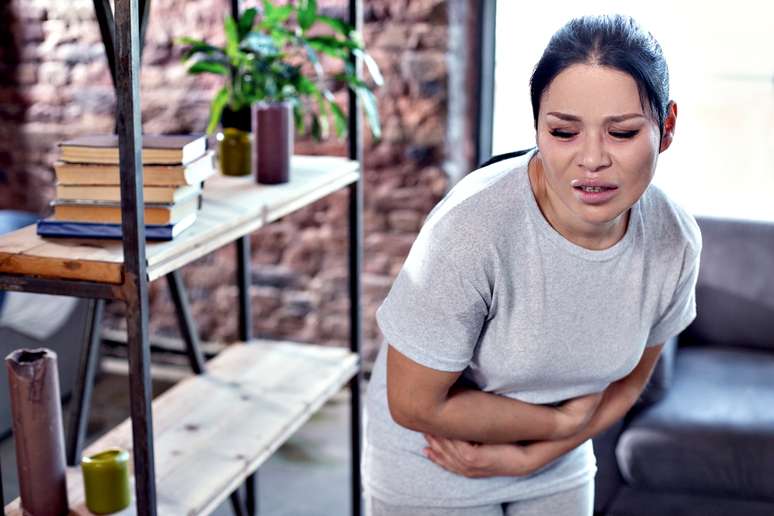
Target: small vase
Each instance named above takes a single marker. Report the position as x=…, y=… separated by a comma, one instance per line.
x=273, y=130
x=234, y=150
x=38, y=432
x=234, y=142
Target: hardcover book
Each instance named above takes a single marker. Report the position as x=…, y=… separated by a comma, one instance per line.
x=110, y=212
x=67, y=229
x=153, y=175
x=151, y=194
x=156, y=149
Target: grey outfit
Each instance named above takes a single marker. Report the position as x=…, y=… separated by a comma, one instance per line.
x=576, y=501
x=491, y=289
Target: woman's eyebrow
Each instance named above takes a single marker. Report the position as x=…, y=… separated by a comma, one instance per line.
x=612, y=118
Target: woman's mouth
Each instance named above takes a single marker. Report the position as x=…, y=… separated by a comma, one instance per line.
x=594, y=192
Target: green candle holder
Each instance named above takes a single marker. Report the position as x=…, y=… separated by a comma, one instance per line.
x=106, y=481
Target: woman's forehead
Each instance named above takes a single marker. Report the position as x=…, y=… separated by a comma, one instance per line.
x=587, y=90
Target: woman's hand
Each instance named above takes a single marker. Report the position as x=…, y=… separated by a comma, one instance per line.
x=575, y=414
x=474, y=460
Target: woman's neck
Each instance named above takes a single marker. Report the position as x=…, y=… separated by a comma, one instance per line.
x=570, y=226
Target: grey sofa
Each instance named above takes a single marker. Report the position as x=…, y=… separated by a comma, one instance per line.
x=700, y=441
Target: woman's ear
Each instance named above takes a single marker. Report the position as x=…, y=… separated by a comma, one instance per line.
x=669, y=126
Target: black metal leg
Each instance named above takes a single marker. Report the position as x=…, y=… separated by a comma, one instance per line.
x=355, y=11
x=135, y=288
x=236, y=504
x=245, y=335
x=185, y=321
x=84, y=383
x=243, y=284
x=355, y=261
x=2, y=495
x=251, y=499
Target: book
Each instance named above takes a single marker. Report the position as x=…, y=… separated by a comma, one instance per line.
x=151, y=194
x=152, y=175
x=156, y=149
x=65, y=229
x=110, y=212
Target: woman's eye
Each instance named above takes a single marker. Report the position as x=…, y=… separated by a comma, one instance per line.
x=624, y=134
x=562, y=134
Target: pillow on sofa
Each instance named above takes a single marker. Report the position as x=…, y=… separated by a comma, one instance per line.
x=735, y=291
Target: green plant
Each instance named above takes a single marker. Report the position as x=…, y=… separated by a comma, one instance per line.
x=267, y=56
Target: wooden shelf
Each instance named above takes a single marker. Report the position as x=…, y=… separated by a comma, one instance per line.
x=232, y=208
x=211, y=431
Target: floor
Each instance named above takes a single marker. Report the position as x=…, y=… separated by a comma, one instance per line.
x=309, y=475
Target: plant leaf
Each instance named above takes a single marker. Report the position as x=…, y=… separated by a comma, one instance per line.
x=324, y=114
x=232, y=38
x=261, y=44
x=216, y=109
x=333, y=42
x=373, y=68
x=307, y=87
x=337, y=24
x=316, y=127
x=307, y=14
x=274, y=16
x=339, y=120
x=208, y=66
x=371, y=111
x=315, y=62
x=246, y=22
x=298, y=116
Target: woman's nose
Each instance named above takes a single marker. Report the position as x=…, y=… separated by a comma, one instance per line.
x=594, y=156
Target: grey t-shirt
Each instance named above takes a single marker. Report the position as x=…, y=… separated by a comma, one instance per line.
x=491, y=289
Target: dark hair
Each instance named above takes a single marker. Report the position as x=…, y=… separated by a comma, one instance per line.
x=615, y=41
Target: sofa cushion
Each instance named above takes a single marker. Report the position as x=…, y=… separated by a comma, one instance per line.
x=714, y=431
x=734, y=292
x=636, y=502
x=608, y=480
x=661, y=379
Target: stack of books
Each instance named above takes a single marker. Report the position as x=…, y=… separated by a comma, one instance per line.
x=88, y=192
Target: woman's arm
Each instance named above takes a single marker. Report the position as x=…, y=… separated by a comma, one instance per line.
x=516, y=460
x=617, y=400
x=423, y=399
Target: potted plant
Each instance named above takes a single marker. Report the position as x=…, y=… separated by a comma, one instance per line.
x=271, y=62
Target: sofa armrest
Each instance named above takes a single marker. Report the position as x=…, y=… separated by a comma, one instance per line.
x=661, y=379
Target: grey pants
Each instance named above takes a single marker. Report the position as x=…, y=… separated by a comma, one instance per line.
x=578, y=501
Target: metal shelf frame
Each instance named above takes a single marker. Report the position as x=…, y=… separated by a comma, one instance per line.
x=123, y=32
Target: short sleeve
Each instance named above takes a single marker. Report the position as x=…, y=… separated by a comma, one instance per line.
x=436, y=307
x=682, y=309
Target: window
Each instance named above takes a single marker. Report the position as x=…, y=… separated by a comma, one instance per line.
x=721, y=64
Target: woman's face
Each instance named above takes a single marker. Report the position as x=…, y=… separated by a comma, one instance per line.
x=598, y=149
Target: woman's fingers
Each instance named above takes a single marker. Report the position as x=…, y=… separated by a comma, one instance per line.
x=456, y=456
x=479, y=460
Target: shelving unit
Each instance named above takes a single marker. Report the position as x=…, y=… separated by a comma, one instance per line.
x=278, y=385
x=267, y=385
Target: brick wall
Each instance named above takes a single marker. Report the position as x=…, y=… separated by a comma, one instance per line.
x=55, y=84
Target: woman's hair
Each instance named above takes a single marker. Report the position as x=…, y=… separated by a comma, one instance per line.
x=614, y=41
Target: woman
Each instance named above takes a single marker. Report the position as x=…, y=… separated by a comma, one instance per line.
x=535, y=300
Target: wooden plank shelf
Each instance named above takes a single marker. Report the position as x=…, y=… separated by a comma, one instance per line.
x=211, y=431
x=231, y=208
